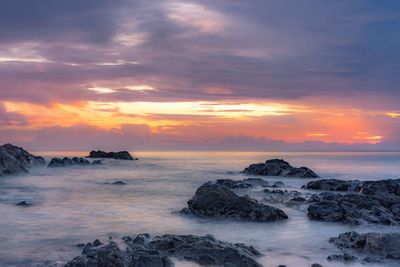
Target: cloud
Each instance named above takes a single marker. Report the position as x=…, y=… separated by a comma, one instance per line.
x=333, y=55
x=10, y=119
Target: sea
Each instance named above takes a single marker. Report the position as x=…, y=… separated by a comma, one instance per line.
x=73, y=205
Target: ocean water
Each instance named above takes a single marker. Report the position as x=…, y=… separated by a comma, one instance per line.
x=74, y=205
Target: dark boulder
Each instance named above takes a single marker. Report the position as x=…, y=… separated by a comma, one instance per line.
x=331, y=185
x=147, y=251
x=204, y=250
x=279, y=167
x=355, y=208
x=100, y=256
x=386, y=245
x=64, y=162
x=24, y=203
x=111, y=155
x=14, y=159
x=381, y=187
x=117, y=183
x=218, y=201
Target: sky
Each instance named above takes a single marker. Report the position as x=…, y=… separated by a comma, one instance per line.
x=200, y=75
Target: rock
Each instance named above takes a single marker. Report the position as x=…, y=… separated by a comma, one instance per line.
x=278, y=184
x=289, y=198
x=381, y=187
x=203, y=250
x=246, y=183
x=147, y=251
x=344, y=258
x=15, y=159
x=64, y=162
x=331, y=185
x=279, y=167
x=111, y=155
x=383, y=244
x=316, y=265
x=218, y=201
x=119, y=183
x=97, y=162
x=99, y=255
x=24, y=203
x=355, y=208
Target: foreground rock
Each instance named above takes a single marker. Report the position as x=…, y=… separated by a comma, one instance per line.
x=64, y=162
x=111, y=155
x=279, y=167
x=14, y=159
x=218, y=201
x=144, y=250
x=382, y=187
x=355, y=208
x=386, y=245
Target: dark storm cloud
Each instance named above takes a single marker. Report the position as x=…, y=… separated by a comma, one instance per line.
x=49, y=20
x=280, y=50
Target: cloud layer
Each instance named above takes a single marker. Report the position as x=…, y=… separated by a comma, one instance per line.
x=330, y=66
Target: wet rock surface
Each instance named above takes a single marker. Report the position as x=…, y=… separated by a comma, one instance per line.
x=64, y=162
x=381, y=187
x=146, y=251
x=246, y=183
x=24, y=203
x=217, y=201
x=347, y=258
x=355, y=208
x=111, y=155
x=386, y=245
x=117, y=183
x=14, y=159
x=279, y=167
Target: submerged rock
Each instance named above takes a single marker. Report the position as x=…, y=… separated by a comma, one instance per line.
x=381, y=187
x=97, y=162
x=14, y=159
x=386, y=245
x=24, y=203
x=347, y=258
x=146, y=251
x=117, y=183
x=218, y=201
x=287, y=197
x=355, y=208
x=246, y=183
x=58, y=162
x=279, y=167
x=111, y=155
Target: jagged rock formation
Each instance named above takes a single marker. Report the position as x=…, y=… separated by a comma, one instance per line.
x=217, y=201
x=14, y=159
x=147, y=251
x=279, y=167
x=111, y=155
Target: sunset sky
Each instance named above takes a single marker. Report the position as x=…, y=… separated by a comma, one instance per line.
x=210, y=74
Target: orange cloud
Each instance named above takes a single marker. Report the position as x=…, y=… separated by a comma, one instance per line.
x=199, y=120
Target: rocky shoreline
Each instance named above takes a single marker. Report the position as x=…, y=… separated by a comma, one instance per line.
x=328, y=200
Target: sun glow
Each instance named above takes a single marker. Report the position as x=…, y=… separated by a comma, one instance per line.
x=196, y=119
